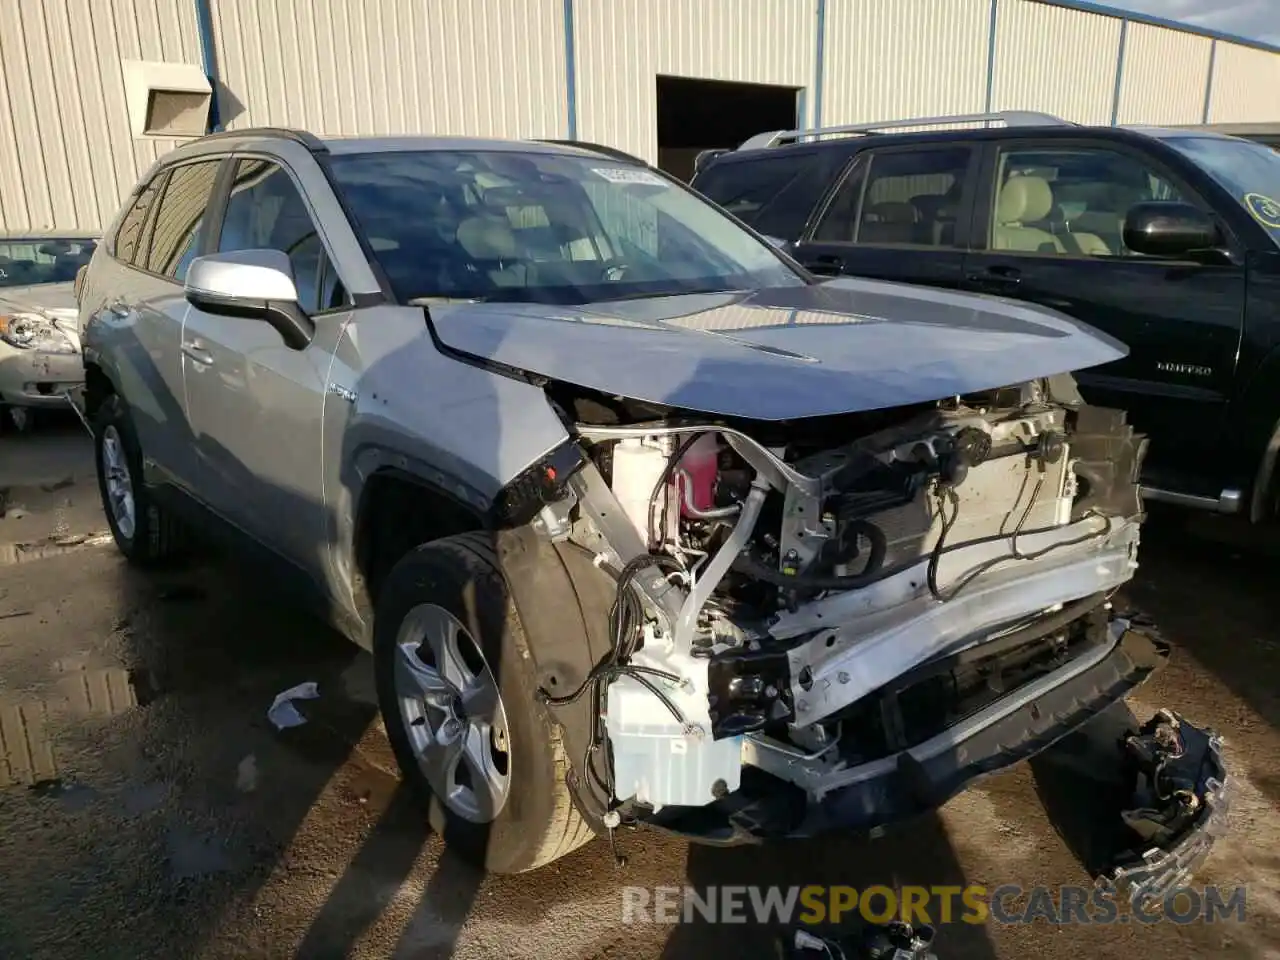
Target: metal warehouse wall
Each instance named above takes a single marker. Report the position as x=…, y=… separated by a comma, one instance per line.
x=1057, y=60
x=904, y=58
x=1164, y=75
x=621, y=47
x=66, y=152
x=1246, y=84
x=556, y=68
x=482, y=67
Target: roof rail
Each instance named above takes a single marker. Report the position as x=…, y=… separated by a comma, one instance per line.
x=308, y=140
x=1011, y=118
x=598, y=148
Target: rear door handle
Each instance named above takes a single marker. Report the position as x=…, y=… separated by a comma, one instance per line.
x=196, y=351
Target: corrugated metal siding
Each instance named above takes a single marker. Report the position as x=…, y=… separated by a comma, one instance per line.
x=1246, y=85
x=623, y=45
x=1164, y=75
x=67, y=156
x=479, y=67
x=1056, y=60
x=891, y=59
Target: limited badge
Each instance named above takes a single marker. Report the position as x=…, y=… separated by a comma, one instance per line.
x=1265, y=210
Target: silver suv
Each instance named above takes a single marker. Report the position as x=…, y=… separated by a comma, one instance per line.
x=643, y=523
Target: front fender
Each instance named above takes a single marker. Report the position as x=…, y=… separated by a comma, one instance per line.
x=395, y=401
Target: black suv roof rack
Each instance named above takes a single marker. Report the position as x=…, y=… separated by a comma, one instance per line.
x=308, y=140
x=1011, y=118
x=598, y=148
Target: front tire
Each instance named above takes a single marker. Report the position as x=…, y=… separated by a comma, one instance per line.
x=143, y=532
x=457, y=691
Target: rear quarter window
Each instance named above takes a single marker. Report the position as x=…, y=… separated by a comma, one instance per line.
x=774, y=194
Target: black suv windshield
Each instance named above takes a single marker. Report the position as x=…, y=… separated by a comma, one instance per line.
x=1248, y=170
x=549, y=228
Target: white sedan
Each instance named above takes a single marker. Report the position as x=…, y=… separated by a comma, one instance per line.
x=39, y=332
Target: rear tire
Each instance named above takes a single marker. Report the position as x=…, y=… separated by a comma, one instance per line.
x=143, y=532
x=457, y=581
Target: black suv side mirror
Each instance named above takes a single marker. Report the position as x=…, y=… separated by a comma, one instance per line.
x=1169, y=228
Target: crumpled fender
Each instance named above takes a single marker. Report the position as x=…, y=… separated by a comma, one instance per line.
x=563, y=600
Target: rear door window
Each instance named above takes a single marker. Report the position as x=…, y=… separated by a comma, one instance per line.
x=773, y=194
x=902, y=198
x=175, y=238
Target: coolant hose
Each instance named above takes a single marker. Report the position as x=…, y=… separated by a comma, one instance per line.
x=746, y=563
x=711, y=575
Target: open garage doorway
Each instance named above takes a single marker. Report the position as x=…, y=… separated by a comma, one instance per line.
x=695, y=115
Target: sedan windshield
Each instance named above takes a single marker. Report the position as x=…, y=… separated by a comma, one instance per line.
x=25, y=261
x=1249, y=171
x=546, y=228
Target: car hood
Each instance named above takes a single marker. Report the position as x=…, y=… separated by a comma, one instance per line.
x=55, y=299
x=780, y=353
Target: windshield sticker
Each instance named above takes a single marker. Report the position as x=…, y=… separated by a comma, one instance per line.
x=1265, y=210
x=629, y=175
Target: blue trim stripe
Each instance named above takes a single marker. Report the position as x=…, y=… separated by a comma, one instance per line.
x=209, y=59
x=991, y=53
x=1208, y=82
x=571, y=72
x=1115, y=99
x=820, y=47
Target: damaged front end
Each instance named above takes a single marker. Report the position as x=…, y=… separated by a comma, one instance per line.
x=839, y=623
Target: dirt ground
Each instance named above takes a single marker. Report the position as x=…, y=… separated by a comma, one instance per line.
x=148, y=808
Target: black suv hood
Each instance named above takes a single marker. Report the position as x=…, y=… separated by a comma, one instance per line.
x=842, y=346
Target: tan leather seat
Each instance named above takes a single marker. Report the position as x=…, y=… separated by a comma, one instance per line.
x=492, y=244
x=892, y=221
x=1023, y=201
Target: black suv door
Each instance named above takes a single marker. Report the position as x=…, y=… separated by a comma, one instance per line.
x=898, y=213
x=1049, y=228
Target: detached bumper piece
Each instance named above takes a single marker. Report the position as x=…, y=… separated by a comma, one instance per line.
x=1180, y=804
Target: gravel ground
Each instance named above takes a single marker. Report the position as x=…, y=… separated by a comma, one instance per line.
x=148, y=808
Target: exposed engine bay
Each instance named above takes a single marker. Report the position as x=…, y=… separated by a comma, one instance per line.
x=809, y=600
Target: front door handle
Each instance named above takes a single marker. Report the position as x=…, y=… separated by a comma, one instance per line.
x=196, y=351
x=825, y=264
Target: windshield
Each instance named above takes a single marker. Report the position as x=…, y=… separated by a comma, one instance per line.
x=29, y=260
x=1249, y=171
x=547, y=228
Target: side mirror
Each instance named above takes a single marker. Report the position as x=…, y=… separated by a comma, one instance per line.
x=1167, y=228
x=255, y=284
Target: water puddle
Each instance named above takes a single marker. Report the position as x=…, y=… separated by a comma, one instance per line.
x=28, y=755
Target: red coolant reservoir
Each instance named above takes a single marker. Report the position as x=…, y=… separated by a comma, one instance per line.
x=698, y=468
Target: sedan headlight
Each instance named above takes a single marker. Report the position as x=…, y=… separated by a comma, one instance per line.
x=32, y=331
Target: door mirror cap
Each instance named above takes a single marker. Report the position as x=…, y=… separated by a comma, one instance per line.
x=255, y=284
x=1166, y=228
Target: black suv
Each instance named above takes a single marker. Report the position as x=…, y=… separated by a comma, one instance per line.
x=1167, y=239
